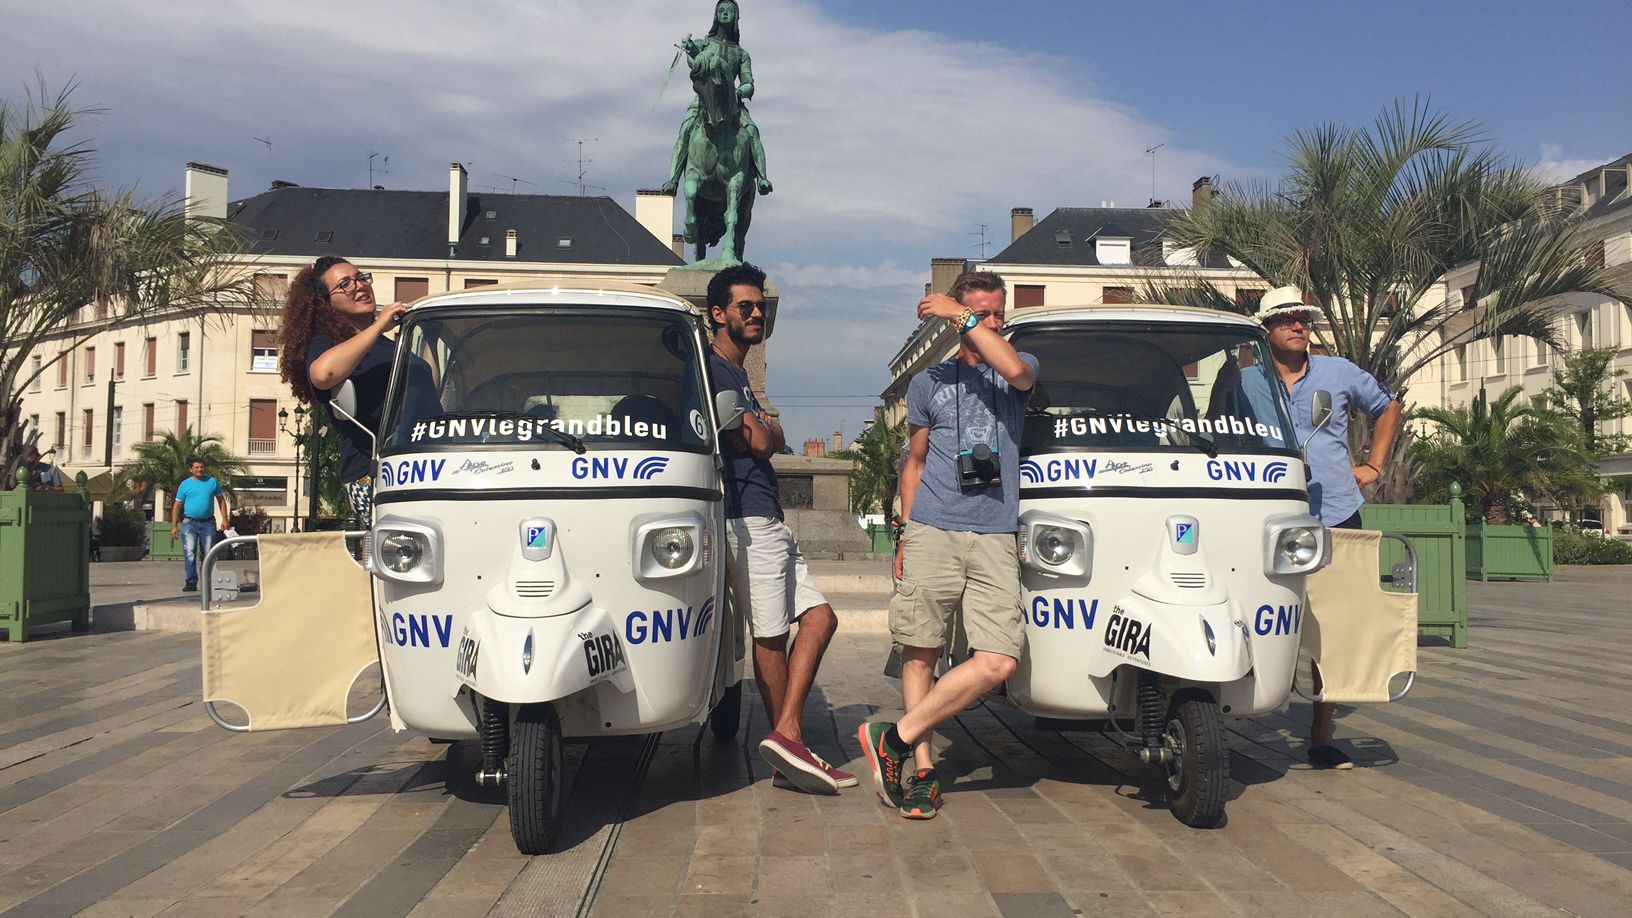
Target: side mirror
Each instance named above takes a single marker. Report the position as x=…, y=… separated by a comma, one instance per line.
x=1320, y=412
x=729, y=408
x=344, y=405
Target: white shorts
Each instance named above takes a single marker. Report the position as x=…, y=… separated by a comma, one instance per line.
x=767, y=570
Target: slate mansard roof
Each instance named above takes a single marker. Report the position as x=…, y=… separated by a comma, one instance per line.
x=361, y=223
x=1066, y=237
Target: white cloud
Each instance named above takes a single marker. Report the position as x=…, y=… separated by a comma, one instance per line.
x=1552, y=166
x=885, y=147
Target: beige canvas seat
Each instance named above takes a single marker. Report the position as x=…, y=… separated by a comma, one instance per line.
x=1360, y=635
x=291, y=659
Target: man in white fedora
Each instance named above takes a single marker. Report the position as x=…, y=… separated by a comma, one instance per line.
x=1335, y=479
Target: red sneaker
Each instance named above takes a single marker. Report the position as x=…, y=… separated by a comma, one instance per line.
x=840, y=778
x=797, y=764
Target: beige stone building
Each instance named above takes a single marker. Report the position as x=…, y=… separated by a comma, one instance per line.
x=1074, y=256
x=1584, y=321
x=219, y=375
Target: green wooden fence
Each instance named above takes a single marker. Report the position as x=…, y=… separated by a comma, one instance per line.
x=45, y=559
x=1440, y=534
x=1510, y=552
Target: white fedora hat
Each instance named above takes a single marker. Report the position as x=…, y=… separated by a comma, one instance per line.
x=1284, y=301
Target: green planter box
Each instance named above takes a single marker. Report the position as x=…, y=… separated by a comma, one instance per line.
x=45, y=561
x=1510, y=552
x=1439, y=532
x=160, y=547
x=880, y=534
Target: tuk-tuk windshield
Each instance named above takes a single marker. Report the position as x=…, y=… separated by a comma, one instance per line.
x=613, y=378
x=1153, y=386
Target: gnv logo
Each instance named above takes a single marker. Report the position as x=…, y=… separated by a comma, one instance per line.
x=618, y=468
x=1278, y=619
x=1064, y=613
x=1246, y=470
x=1055, y=470
x=661, y=626
x=410, y=471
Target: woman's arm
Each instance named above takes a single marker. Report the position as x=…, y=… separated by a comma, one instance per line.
x=336, y=364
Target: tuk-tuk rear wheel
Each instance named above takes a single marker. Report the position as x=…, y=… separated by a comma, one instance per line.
x=1198, y=764
x=534, y=776
x=726, y=717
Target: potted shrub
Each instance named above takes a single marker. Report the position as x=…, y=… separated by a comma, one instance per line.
x=123, y=533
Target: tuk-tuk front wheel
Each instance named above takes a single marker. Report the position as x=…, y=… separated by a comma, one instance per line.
x=727, y=715
x=534, y=779
x=1198, y=764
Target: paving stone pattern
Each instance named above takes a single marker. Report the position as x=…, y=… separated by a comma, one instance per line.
x=1500, y=787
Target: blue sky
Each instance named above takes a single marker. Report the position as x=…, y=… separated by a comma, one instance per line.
x=892, y=129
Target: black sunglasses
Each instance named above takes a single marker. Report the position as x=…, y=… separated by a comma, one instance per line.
x=746, y=308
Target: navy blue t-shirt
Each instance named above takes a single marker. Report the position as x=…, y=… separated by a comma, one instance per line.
x=370, y=379
x=750, y=483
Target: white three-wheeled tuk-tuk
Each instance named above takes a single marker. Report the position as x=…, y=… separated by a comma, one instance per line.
x=1165, y=535
x=546, y=556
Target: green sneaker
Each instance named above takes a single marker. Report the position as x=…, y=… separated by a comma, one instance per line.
x=923, y=795
x=886, y=765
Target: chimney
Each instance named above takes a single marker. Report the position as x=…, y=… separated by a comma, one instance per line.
x=279, y=184
x=458, y=194
x=655, y=211
x=1020, y=222
x=206, y=191
x=813, y=449
x=1201, y=194
x=510, y=242
x=838, y=441
x=943, y=271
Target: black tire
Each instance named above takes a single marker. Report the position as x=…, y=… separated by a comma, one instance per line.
x=1198, y=774
x=726, y=718
x=534, y=779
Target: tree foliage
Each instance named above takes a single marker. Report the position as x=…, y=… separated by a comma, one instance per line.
x=161, y=463
x=877, y=457
x=1501, y=451
x=1584, y=390
x=65, y=244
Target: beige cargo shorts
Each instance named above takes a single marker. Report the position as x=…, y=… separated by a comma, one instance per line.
x=942, y=570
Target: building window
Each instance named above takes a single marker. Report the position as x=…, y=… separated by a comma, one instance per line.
x=62, y=430
x=35, y=383
x=1539, y=353
x=34, y=422
x=1462, y=363
x=62, y=371
x=1469, y=296
x=118, y=427
x=1117, y=295
x=263, y=351
x=263, y=426
x=1583, y=328
x=184, y=351
x=271, y=288
x=412, y=288
x=181, y=416
x=90, y=431
x=147, y=422
x=1027, y=296
x=119, y=360
x=150, y=359
x=1498, y=355
x=478, y=282
x=90, y=365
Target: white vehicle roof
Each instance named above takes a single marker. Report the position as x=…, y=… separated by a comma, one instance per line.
x=1125, y=312
x=566, y=291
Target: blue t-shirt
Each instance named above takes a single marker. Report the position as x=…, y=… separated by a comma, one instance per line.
x=198, y=498
x=750, y=482
x=956, y=403
x=1333, y=494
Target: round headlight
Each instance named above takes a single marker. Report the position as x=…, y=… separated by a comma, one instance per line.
x=401, y=551
x=1298, y=546
x=672, y=548
x=1054, y=544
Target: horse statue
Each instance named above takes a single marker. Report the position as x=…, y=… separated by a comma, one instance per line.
x=719, y=161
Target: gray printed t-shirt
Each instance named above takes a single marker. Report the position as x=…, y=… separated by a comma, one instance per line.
x=955, y=402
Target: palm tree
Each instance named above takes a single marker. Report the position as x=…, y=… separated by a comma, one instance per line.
x=162, y=463
x=64, y=245
x=1367, y=222
x=1501, y=450
x=877, y=458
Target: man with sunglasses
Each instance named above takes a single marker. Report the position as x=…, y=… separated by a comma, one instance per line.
x=768, y=577
x=1335, y=480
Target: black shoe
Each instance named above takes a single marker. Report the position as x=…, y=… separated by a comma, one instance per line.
x=191, y=587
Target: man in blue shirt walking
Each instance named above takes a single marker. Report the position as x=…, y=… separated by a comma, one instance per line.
x=192, y=517
x=1335, y=479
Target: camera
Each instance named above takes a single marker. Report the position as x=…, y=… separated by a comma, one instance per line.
x=977, y=466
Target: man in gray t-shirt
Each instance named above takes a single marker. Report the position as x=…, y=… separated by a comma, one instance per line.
x=960, y=498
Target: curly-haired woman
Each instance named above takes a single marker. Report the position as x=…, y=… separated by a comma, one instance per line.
x=332, y=332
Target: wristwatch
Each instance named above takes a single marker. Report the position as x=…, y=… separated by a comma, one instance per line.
x=966, y=321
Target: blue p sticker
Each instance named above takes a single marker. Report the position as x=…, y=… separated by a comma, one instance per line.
x=1184, y=533
x=538, y=537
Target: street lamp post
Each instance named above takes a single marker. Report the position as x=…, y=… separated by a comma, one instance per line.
x=299, y=434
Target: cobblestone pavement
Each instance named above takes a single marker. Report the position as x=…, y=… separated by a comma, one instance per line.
x=1500, y=787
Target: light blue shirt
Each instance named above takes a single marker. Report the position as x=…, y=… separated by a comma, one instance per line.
x=963, y=406
x=1333, y=494
x=198, y=498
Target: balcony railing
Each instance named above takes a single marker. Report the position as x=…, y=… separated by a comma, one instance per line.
x=263, y=447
